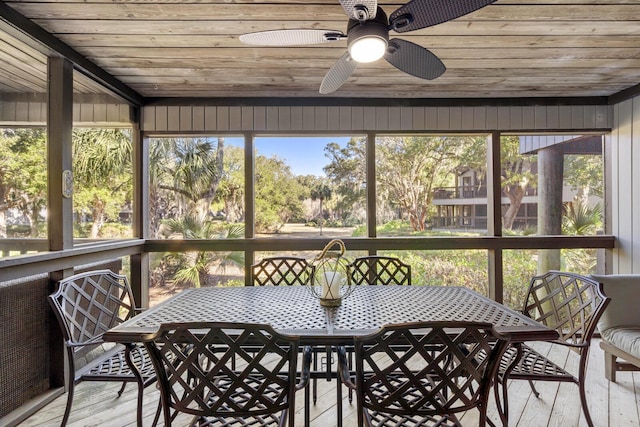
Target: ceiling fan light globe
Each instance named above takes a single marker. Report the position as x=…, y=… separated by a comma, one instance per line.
x=368, y=49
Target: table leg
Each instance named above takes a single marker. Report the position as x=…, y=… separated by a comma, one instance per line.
x=139, y=380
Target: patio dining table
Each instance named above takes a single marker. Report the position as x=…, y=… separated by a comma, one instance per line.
x=295, y=310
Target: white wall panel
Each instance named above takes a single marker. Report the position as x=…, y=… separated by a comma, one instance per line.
x=625, y=199
x=635, y=185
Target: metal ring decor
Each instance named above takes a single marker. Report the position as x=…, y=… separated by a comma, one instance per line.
x=330, y=281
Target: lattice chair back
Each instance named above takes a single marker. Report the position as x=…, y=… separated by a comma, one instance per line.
x=424, y=373
x=379, y=270
x=567, y=302
x=197, y=374
x=88, y=304
x=281, y=270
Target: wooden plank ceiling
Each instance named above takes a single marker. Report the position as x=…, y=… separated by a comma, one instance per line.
x=190, y=48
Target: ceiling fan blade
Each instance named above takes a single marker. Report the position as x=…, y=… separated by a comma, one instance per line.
x=414, y=59
x=425, y=13
x=291, y=37
x=354, y=9
x=338, y=74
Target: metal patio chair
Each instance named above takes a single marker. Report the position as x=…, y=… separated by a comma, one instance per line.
x=571, y=304
x=196, y=376
x=288, y=271
x=379, y=270
x=442, y=369
x=281, y=271
x=86, y=306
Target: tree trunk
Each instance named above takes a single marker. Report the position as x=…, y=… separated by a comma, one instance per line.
x=98, y=221
x=515, y=197
x=3, y=224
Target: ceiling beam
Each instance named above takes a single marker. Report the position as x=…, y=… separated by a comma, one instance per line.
x=625, y=94
x=369, y=102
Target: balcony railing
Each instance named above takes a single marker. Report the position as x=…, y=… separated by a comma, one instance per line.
x=469, y=192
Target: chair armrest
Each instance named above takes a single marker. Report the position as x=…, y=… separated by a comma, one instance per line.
x=343, y=368
x=306, y=368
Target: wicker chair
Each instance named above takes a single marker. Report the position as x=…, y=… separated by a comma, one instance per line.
x=86, y=306
x=196, y=376
x=379, y=270
x=443, y=368
x=571, y=304
x=281, y=270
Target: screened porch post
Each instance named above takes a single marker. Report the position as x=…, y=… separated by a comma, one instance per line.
x=140, y=161
x=371, y=187
x=60, y=208
x=249, y=202
x=494, y=217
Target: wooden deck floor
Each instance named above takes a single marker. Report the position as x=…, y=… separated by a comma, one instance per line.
x=611, y=404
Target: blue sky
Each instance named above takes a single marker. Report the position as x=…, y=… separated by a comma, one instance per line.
x=305, y=155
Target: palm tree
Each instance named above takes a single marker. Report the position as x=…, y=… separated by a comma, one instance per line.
x=321, y=192
x=581, y=219
x=195, y=266
x=102, y=171
x=196, y=170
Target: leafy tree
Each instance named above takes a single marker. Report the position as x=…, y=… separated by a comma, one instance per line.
x=347, y=170
x=516, y=176
x=230, y=193
x=102, y=173
x=23, y=176
x=278, y=194
x=310, y=210
x=585, y=174
x=409, y=168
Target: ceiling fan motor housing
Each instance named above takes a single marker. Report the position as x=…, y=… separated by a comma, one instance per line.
x=372, y=28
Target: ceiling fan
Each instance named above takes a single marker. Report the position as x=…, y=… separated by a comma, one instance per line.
x=368, y=37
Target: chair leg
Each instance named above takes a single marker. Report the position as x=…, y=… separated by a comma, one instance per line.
x=315, y=390
x=350, y=369
x=124, y=384
x=585, y=407
x=501, y=380
x=156, y=418
x=504, y=413
x=67, y=409
x=582, y=372
x=307, y=410
x=533, y=389
x=314, y=381
x=339, y=400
